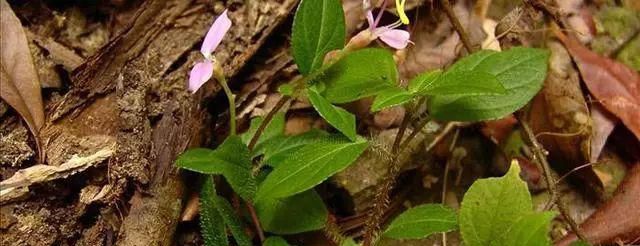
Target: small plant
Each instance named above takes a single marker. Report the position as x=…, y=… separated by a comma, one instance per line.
x=278, y=188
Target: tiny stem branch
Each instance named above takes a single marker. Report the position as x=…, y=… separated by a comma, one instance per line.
x=266, y=120
x=232, y=103
x=549, y=179
x=456, y=24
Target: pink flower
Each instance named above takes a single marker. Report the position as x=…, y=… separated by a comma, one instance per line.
x=396, y=38
x=202, y=71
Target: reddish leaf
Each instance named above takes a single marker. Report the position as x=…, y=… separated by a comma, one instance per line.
x=560, y=118
x=618, y=219
x=616, y=86
x=498, y=130
x=20, y=84
x=603, y=124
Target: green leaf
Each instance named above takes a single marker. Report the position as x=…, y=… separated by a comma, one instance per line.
x=491, y=206
x=423, y=79
x=390, y=97
x=231, y=159
x=309, y=166
x=422, y=221
x=275, y=241
x=273, y=129
x=359, y=74
x=295, y=214
x=232, y=221
x=520, y=70
x=339, y=118
x=211, y=222
x=280, y=148
x=463, y=82
x=318, y=27
x=286, y=89
x=529, y=230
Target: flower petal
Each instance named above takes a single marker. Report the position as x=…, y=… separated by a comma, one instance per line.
x=370, y=20
x=397, y=39
x=200, y=73
x=218, y=29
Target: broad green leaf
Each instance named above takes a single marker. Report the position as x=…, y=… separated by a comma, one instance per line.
x=491, y=206
x=231, y=159
x=359, y=74
x=280, y=148
x=295, y=214
x=422, y=221
x=520, y=70
x=390, y=97
x=318, y=27
x=275, y=241
x=423, y=79
x=232, y=221
x=309, y=166
x=273, y=129
x=529, y=230
x=339, y=118
x=211, y=222
x=463, y=82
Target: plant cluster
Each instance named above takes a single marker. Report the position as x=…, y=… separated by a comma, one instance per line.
x=275, y=174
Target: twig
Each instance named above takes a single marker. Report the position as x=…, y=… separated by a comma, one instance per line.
x=549, y=179
x=554, y=13
x=456, y=24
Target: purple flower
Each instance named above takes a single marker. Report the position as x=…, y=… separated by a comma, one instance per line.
x=202, y=71
x=396, y=38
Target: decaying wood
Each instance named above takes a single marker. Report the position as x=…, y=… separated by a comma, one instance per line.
x=134, y=90
x=17, y=186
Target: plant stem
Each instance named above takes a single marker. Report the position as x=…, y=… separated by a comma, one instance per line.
x=256, y=221
x=266, y=120
x=549, y=179
x=298, y=84
x=232, y=103
x=456, y=24
x=381, y=200
x=232, y=132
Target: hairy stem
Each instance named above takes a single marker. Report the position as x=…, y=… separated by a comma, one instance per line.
x=549, y=179
x=456, y=24
x=381, y=200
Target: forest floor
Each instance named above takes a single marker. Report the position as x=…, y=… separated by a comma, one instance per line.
x=116, y=113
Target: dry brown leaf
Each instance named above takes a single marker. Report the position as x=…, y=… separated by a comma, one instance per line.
x=20, y=85
x=614, y=85
x=617, y=219
x=560, y=118
x=603, y=124
x=498, y=130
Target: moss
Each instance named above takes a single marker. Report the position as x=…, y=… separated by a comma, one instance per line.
x=614, y=26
